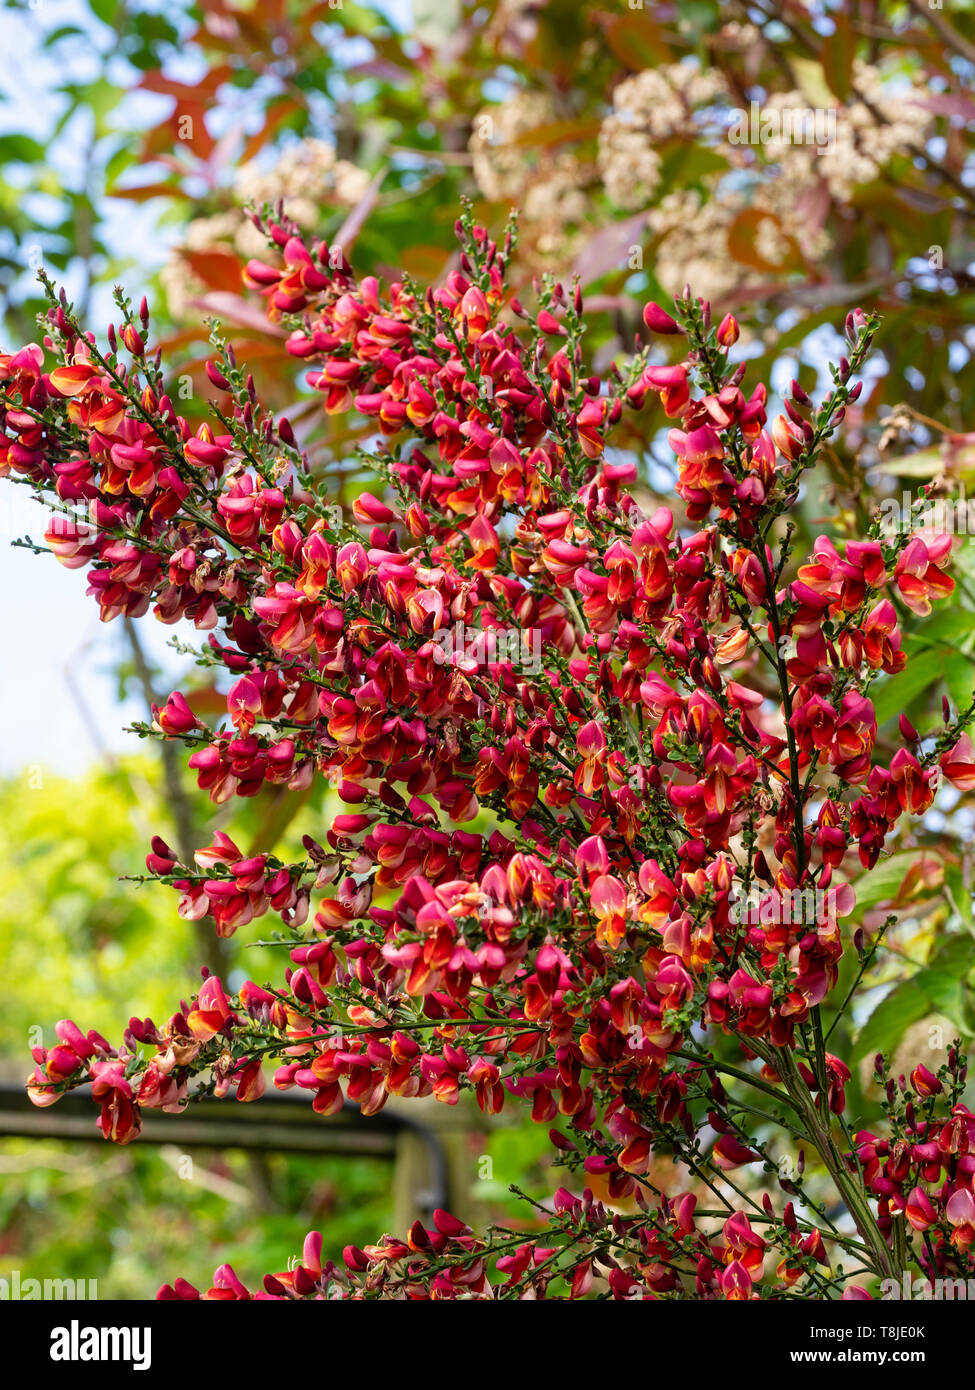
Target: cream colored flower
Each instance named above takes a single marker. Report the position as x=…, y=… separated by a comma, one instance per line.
x=549, y=186
x=649, y=109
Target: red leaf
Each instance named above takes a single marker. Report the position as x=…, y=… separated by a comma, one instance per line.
x=144, y=192
x=278, y=114
x=838, y=52
x=219, y=270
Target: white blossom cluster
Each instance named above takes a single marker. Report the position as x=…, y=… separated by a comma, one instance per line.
x=307, y=177
x=549, y=185
x=648, y=110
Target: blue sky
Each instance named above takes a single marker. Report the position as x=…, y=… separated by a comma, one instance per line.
x=58, y=705
x=57, y=693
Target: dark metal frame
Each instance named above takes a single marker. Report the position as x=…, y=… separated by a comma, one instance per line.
x=277, y=1123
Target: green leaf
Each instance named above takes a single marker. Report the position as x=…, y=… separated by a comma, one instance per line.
x=944, y=643
x=893, y=694
x=943, y=625
x=943, y=982
x=105, y=10
x=23, y=149
x=956, y=955
x=64, y=31
x=812, y=81
x=961, y=896
x=890, y=1020
x=685, y=165
x=959, y=672
x=945, y=993
x=923, y=463
x=884, y=881
x=939, y=988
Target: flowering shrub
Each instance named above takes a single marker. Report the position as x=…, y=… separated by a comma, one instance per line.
x=698, y=730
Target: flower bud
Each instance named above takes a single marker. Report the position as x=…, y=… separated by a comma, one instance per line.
x=728, y=331
x=133, y=340
x=658, y=320
x=218, y=379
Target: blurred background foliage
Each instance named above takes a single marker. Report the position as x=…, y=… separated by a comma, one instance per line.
x=77, y=938
x=147, y=131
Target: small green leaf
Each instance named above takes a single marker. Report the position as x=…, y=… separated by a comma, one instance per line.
x=19, y=148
